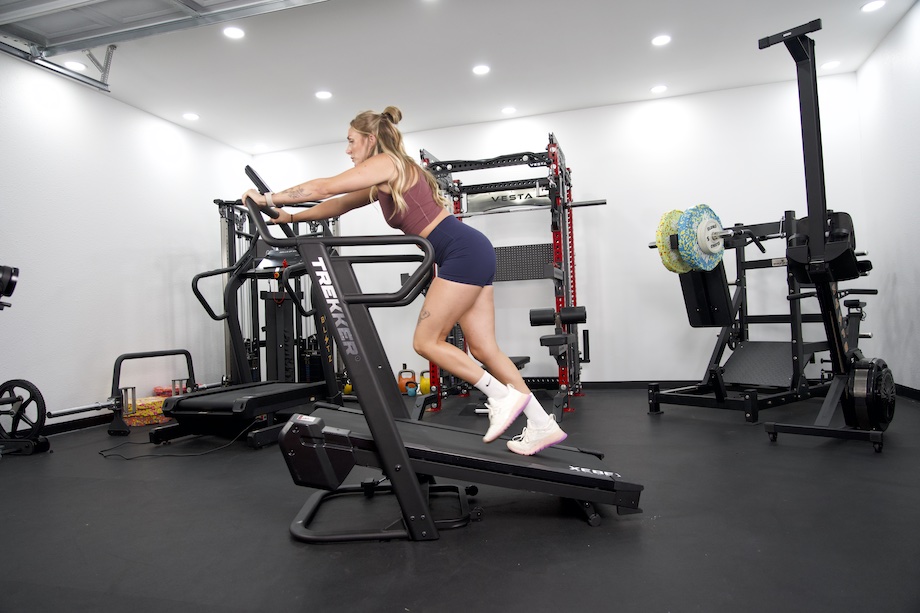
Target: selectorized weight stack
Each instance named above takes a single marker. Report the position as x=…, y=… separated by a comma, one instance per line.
x=820, y=253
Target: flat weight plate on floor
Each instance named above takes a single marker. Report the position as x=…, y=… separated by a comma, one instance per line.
x=699, y=246
x=27, y=420
x=670, y=257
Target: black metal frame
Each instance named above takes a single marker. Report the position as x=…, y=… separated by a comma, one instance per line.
x=708, y=304
x=285, y=346
x=827, y=255
x=820, y=252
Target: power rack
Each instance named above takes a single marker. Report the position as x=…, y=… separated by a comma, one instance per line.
x=555, y=260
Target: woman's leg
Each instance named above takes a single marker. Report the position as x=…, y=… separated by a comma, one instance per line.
x=447, y=303
x=478, y=325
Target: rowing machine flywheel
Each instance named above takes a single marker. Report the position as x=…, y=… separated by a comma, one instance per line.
x=870, y=398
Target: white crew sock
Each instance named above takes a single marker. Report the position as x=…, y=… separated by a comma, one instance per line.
x=537, y=417
x=491, y=387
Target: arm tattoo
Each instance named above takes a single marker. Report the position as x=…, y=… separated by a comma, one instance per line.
x=298, y=194
x=423, y=315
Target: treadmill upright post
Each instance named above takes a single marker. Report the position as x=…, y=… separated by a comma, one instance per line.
x=365, y=359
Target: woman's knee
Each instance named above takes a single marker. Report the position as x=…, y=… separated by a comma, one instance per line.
x=484, y=354
x=422, y=345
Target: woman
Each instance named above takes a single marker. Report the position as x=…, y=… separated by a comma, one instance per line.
x=462, y=291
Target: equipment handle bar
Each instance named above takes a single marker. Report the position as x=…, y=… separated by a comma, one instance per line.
x=200, y=296
x=409, y=290
x=151, y=354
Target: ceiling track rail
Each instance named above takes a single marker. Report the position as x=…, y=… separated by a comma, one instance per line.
x=37, y=60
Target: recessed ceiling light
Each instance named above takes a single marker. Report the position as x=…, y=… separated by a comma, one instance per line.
x=324, y=95
x=77, y=66
x=872, y=6
x=660, y=41
x=481, y=69
x=234, y=32
x=659, y=89
x=830, y=65
x=509, y=110
x=190, y=116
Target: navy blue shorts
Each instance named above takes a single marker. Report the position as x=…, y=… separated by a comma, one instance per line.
x=463, y=253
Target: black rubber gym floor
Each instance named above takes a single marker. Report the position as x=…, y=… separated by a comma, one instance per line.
x=731, y=522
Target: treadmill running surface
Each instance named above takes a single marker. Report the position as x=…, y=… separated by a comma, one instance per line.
x=461, y=454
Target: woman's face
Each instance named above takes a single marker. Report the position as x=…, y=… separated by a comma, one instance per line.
x=360, y=146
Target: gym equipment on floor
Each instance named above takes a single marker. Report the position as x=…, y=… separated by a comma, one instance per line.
x=22, y=415
x=562, y=344
x=22, y=407
x=554, y=261
x=820, y=253
x=245, y=405
x=123, y=397
x=321, y=448
x=257, y=410
x=250, y=264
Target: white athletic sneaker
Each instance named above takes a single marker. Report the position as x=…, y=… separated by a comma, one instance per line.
x=502, y=413
x=532, y=440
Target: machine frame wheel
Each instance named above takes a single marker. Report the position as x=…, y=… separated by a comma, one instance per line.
x=27, y=420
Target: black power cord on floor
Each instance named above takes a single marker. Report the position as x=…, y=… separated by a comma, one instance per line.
x=171, y=455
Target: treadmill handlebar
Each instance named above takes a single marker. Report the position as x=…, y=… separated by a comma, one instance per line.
x=410, y=289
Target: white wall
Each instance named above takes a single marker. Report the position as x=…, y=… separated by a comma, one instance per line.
x=738, y=151
x=889, y=96
x=108, y=214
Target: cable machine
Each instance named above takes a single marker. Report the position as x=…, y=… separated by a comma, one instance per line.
x=297, y=370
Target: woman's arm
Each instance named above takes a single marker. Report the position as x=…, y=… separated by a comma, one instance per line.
x=354, y=184
x=327, y=209
x=373, y=171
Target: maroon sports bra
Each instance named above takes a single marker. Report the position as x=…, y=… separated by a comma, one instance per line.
x=422, y=208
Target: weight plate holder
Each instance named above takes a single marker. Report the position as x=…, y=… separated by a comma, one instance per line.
x=869, y=403
x=670, y=257
x=699, y=238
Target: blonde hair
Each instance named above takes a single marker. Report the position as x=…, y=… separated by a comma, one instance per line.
x=390, y=142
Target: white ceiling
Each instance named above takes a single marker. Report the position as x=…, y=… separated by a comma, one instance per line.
x=545, y=55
